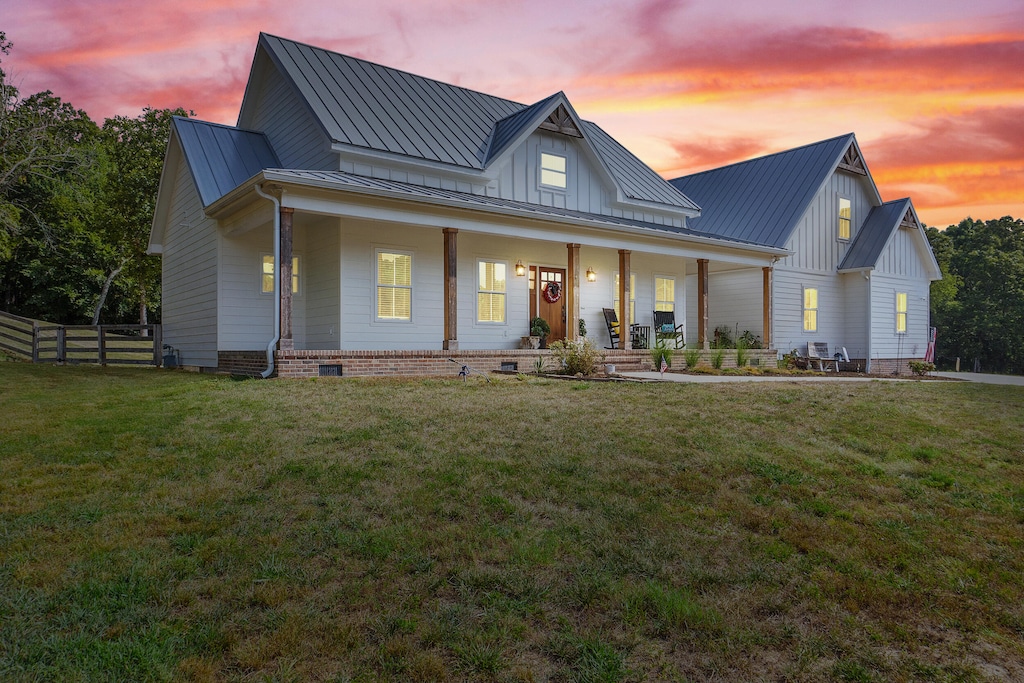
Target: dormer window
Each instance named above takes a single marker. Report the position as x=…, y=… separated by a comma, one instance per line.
x=553, y=171
x=845, y=218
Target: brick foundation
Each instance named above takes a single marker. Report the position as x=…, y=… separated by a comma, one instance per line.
x=890, y=366
x=300, y=364
x=248, y=363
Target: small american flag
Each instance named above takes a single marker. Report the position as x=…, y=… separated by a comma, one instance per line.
x=664, y=366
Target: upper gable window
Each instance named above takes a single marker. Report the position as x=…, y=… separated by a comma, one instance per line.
x=553, y=171
x=845, y=218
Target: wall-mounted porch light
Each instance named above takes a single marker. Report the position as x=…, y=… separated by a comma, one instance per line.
x=591, y=275
x=520, y=268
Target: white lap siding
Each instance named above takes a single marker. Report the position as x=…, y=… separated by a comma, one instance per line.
x=735, y=300
x=788, y=306
x=189, y=280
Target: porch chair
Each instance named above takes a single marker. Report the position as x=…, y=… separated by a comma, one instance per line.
x=638, y=334
x=818, y=352
x=665, y=329
x=612, y=321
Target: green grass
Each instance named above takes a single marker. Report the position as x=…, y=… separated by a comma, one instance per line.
x=168, y=526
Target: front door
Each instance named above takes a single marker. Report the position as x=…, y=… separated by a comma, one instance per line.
x=540, y=304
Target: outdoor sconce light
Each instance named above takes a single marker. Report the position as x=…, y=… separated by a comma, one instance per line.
x=520, y=268
x=591, y=275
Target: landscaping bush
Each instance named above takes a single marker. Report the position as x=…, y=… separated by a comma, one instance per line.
x=692, y=357
x=921, y=368
x=661, y=350
x=577, y=357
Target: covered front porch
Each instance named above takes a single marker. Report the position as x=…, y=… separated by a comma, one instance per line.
x=383, y=287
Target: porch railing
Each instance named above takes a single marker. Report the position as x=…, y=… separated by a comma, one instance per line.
x=44, y=342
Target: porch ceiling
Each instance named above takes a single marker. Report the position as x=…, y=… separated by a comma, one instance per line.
x=357, y=197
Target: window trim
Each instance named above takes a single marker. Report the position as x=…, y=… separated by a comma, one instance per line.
x=377, y=251
x=541, y=169
x=904, y=313
x=839, y=219
x=805, y=309
x=480, y=290
x=296, y=274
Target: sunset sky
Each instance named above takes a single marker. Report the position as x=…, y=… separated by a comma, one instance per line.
x=933, y=89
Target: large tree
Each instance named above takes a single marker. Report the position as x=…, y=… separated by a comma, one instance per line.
x=979, y=306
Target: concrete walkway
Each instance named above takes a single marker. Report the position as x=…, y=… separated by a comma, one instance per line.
x=714, y=379
x=983, y=378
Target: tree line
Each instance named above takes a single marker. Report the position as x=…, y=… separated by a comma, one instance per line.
x=76, y=206
x=77, y=201
x=978, y=306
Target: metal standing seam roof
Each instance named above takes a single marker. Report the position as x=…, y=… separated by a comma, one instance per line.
x=342, y=179
x=763, y=199
x=220, y=158
x=367, y=105
x=871, y=238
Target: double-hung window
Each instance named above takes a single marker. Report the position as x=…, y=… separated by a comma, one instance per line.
x=845, y=218
x=490, y=294
x=267, y=274
x=901, y=312
x=810, y=309
x=394, y=285
x=553, y=171
x=664, y=293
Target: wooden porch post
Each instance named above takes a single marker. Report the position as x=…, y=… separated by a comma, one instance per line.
x=766, y=295
x=451, y=290
x=702, y=304
x=284, y=273
x=572, y=292
x=624, y=322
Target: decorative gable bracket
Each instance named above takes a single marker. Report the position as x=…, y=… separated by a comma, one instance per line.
x=561, y=122
x=852, y=161
x=909, y=221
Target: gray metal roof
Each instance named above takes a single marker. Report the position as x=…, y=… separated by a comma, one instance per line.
x=341, y=179
x=220, y=158
x=509, y=128
x=881, y=223
x=763, y=199
x=367, y=105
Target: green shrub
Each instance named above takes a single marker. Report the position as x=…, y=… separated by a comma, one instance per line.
x=741, y=353
x=921, y=368
x=692, y=357
x=716, y=359
x=577, y=357
x=723, y=337
x=539, y=327
x=661, y=350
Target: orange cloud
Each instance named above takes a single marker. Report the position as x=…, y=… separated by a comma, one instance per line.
x=706, y=152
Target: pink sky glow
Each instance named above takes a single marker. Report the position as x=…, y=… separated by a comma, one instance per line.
x=933, y=89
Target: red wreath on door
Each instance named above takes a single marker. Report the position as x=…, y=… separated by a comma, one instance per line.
x=552, y=292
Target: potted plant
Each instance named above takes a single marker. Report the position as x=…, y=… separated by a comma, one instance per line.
x=539, y=328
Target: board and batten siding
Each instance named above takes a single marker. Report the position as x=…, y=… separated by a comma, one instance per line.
x=519, y=180
x=903, y=256
x=189, y=275
x=814, y=242
x=294, y=135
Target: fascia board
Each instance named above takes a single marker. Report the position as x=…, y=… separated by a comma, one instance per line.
x=172, y=158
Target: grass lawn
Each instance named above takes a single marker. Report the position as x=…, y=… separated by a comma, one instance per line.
x=165, y=526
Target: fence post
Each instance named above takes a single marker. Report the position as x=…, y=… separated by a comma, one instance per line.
x=158, y=347
x=35, y=342
x=61, y=344
x=101, y=344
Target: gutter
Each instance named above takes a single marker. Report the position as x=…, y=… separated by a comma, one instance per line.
x=277, y=280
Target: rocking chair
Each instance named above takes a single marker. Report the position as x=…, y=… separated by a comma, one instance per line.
x=665, y=329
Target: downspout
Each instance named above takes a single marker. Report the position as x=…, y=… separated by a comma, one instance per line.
x=277, y=281
x=870, y=321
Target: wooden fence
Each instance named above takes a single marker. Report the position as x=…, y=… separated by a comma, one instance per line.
x=44, y=342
